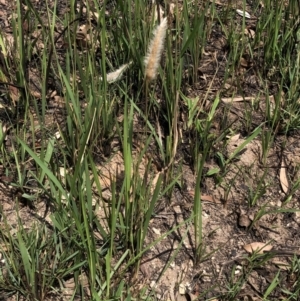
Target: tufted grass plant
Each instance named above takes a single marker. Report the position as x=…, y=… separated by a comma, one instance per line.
x=94, y=67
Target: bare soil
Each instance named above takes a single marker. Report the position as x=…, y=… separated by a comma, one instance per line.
x=229, y=220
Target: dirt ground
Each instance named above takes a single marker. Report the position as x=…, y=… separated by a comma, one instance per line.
x=229, y=222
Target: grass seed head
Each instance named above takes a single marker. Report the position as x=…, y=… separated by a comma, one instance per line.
x=116, y=75
x=155, y=49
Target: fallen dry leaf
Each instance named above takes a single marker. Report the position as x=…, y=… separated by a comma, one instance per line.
x=259, y=247
x=244, y=221
x=217, y=2
x=205, y=198
x=281, y=265
x=14, y=94
x=244, y=62
x=243, y=13
x=156, y=231
x=208, y=198
x=250, y=33
x=177, y=209
x=182, y=289
x=234, y=138
x=35, y=93
x=237, y=99
x=283, y=177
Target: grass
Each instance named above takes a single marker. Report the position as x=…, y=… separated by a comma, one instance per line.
x=157, y=126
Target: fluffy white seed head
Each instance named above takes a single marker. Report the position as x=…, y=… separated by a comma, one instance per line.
x=116, y=75
x=155, y=49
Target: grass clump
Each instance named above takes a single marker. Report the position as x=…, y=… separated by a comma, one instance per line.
x=103, y=124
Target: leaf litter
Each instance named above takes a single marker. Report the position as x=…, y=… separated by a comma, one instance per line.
x=283, y=176
x=222, y=237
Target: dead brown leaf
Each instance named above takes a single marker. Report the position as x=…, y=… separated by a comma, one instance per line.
x=217, y=2
x=244, y=62
x=281, y=265
x=259, y=247
x=14, y=94
x=244, y=221
x=237, y=99
x=283, y=177
x=234, y=138
x=250, y=33
x=35, y=93
x=207, y=198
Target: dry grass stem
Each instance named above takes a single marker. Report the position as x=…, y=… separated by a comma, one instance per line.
x=155, y=49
